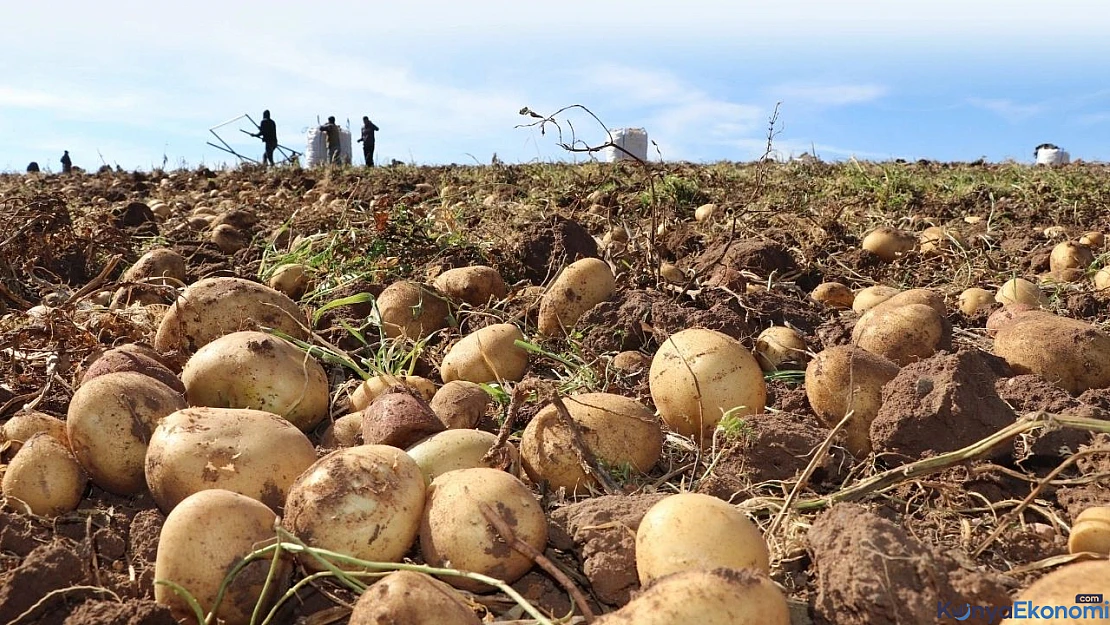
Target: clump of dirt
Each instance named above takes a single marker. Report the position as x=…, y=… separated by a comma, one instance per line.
x=834, y=331
x=49, y=567
x=721, y=264
x=137, y=612
x=620, y=324
x=668, y=317
x=545, y=246
x=1031, y=393
x=763, y=309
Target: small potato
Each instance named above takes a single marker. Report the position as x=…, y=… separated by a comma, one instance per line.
x=228, y=238
x=250, y=452
x=582, y=285
x=1102, y=279
x=486, y=355
x=44, y=476
x=413, y=599
x=290, y=279
x=454, y=530
x=716, y=597
x=109, y=422
x=705, y=212
x=845, y=378
x=398, y=418
x=1060, y=587
x=460, y=404
x=888, y=243
x=780, y=347
x=631, y=362
x=902, y=334
x=672, y=274
x=867, y=298
x=1093, y=239
x=1069, y=261
x=936, y=240
x=456, y=449
x=1055, y=232
x=833, y=294
x=691, y=531
x=369, y=390
x=201, y=540
x=619, y=431
x=1091, y=531
x=975, y=299
x=412, y=310
x=346, y=431
x=1021, y=290
x=20, y=428
x=1071, y=354
x=161, y=266
x=475, y=285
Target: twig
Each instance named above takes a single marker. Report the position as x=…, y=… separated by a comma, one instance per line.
x=60, y=591
x=95, y=283
x=586, y=458
x=13, y=297
x=506, y=430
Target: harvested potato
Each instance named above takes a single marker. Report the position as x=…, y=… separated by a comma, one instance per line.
x=833, y=294
x=1091, y=531
x=454, y=530
x=457, y=449
x=698, y=375
x=201, y=540
x=867, y=298
x=935, y=240
x=1093, y=239
x=213, y=307
x=691, y=531
x=369, y=390
x=486, y=355
x=975, y=299
x=364, y=501
x=258, y=371
x=1020, y=290
x=1055, y=232
x=843, y=379
x=1005, y=315
x=290, y=279
x=902, y=334
x=583, y=284
x=1069, y=261
x=413, y=599
x=716, y=597
x=398, y=418
x=888, y=243
x=475, y=285
x=705, y=212
x=1060, y=587
x=1102, y=279
x=125, y=358
x=780, y=347
x=672, y=274
x=228, y=238
x=109, y=422
x=460, y=404
x=45, y=477
x=160, y=266
x=20, y=428
x=254, y=453
x=631, y=362
x=1071, y=354
x=413, y=310
x=346, y=431
x=928, y=297
x=618, y=430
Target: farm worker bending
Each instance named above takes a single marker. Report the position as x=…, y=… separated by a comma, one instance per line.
x=367, y=140
x=267, y=130
x=331, y=133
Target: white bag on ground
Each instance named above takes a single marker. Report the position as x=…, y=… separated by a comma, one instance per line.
x=634, y=140
x=1048, y=154
x=316, y=148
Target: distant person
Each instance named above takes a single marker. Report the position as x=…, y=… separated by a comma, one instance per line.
x=331, y=134
x=267, y=131
x=32, y=167
x=67, y=164
x=367, y=140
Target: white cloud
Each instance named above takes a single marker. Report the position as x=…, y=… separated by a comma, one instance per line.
x=827, y=94
x=1008, y=109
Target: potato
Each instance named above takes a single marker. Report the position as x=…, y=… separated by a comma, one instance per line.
x=780, y=347
x=902, y=334
x=456, y=449
x=45, y=477
x=254, y=453
x=928, y=297
x=201, y=540
x=1093, y=239
x=619, y=431
x=109, y=422
x=845, y=378
x=1091, y=531
x=888, y=243
x=486, y=355
x=705, y=212
x=631, y=362
x=1005, y=315
x=228, y=238
x=1069, y=261
x=369, y=390
x=698, y=375
x=364, y=501
x=1102, y=279
x=717, y=597
x=975, y=299
x=290, y=279
x=160, y=266
x=346, y=431
x=867, y=298
x=583, y=284
x=398, y=418
x=213, y=307
x=1071, y=354
x=1021, y=290
x=833, y=294
x=695, y=531
x=1055, y=232
x=454, y=531
x=1057, y=591
x=259, y=371
x=475, y=285
x=21, y=427
x=672, y=274
x=935, y=240
x=127, y=359
x=413, y=599
x=412, y=310
x=460, y=404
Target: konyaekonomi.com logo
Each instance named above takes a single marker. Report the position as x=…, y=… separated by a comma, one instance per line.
x=1086, y=606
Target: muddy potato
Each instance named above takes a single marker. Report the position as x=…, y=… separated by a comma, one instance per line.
x=1093, y=239
x=258, y=371
x=582, y=285
x=456, y=449
x=672, y=274
x=460, y=404
x=1060, y=587
x=454, y=530
x=1069, y=261
x=363, y=501
x=1071, y=354
x=902, y=334
x=290, y=279
x=369, y=390
x=486, y=355
x=109, y=422
x=213, y=307
x=413, y=599
x=411, y=310
x=1091, y=531
x=618, y=430
x=254, y=453
x=346, y=431
x=159, y=266
x=398, y=418
x=780, y=347
x=631, y=362
x=705, y=597
x=705, y=212
x=201, y=540
x=888, y=243
x=1102, y=279
x=476, y=285
x=698, y=375
x=696, y=531
x=20, y=428
x=867, y=298
x=935, y=239
x=128, y=358
x=833, y=294
x=845, y=378
x=975, y=299
x=1020, y=290
x=228, y=238
x=44, y=476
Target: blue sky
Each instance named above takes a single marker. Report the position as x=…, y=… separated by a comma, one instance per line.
x=135, y=82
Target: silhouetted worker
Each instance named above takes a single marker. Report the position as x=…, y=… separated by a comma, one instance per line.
x=33, y=167
x=267, y=131
x=331, y=133
x=367, y=140
x=67, y=164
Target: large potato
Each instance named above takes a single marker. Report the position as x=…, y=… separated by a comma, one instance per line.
x=213, y=307
x=109, y=422
x=455, y=532
x=486, y=355
x=867, y=298
x=45, y=477
x=412, y=310
x=698, y=375
x=695, y=531
x=250, y=452
x=1071, y=354
x=258, y=371
x=1021, y=291
x=133, y=358
x=1060, y=587
x=455, y=449
x=412, y=598
x=475, y=285
x=888, y=243
x=902, y=334
x=618, y=430
x=201, y=540
x=582, y=285
x=363, y=501
x=845, y=378
x=460, y=404
x=20, y=428
x=378, y=384
x=716, y=597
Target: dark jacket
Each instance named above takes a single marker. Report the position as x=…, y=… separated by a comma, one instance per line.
x=268, y=131
x=331, y=131
x=368, y=132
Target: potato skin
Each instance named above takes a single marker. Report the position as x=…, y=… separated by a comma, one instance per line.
x=475, y=285
x=450, y=450
x=21, y=427
x=706, y=597
x=129, y=359
x=902, y=334
x=412, y=310
x=156, y=266
x=833, y=294
x=582, y=285
x=888, y=243
x=1071, y=354
x=45, y=476
x=414, y=599
x=366, y=392
x=867, y=298
x=1061, y=585
x=486, y=355
x=844, y=370
x=460, y=404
